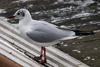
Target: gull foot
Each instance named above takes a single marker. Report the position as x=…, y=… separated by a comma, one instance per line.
x=37, y=58
x=43, y=61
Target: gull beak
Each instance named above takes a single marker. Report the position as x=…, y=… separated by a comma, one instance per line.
x=11, y=16
x=12, y=20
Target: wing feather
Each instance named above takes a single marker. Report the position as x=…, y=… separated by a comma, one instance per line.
x=47, y=33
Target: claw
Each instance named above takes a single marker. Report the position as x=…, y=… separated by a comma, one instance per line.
x=43, y=61
x=38, y=58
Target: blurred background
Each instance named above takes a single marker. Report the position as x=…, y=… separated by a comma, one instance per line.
x=72, y=14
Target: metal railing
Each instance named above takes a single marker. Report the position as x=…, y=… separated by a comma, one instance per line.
x=55, y=57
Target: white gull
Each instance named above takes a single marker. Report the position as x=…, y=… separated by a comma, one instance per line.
x=42, y=33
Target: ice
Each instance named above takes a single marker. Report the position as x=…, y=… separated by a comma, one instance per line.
x=87, y=2
x=94, y=22
x=84, y=3
x=55, y=19
x=63, y=26
x=2, y=11
x=20, y=1
x=30, y=5
x=95, y=48
x=92, y=59
x=37, y=12
x=65, y=45
x=89, y=58
x=76, y=51
x=81, y=15
x=59, y=1
x=78, y=2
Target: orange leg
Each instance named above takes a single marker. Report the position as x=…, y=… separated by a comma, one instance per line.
x=44, y=60
x=39, y=57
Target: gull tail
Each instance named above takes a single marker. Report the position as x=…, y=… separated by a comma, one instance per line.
x=83, y=33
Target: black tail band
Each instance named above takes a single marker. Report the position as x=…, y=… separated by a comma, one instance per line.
x=83, y=33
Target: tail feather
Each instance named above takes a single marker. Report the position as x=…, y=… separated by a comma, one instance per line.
x=80, y=33
x=83, y=33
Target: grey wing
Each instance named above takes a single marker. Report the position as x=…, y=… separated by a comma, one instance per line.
x=42, y=37
x=47, y=33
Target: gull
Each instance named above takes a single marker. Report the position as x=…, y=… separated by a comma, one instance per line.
x=42, y=33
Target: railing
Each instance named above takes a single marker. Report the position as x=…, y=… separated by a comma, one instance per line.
x=55, y=57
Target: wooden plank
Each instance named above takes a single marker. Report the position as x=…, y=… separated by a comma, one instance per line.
x=5, y=62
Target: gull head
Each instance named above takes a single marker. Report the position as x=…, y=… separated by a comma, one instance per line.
x=21, y=14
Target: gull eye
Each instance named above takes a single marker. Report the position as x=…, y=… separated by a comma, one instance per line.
x=18, y=13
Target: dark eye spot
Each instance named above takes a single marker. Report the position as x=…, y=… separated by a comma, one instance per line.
x=18, y=13
x=23, y=14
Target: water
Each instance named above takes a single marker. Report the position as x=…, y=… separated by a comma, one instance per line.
x=81, y=14
x=60, y=12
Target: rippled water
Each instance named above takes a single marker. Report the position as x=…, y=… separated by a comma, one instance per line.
x=61, y=12
x=66, y=13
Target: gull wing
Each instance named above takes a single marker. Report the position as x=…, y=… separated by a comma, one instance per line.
x=47, y=33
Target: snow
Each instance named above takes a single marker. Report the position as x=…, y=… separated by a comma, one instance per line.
x=62, y=44
x=81, y=15
x=65, y=45
x=83, y=3
x=89, y=58
x=59, y=1
x=76, y=51
x=87, y=2
x=95, y=48
x=30, y=6
x=78, y=2
x=56, y=19
x=63, y=26
x=2, y=11
x=20, y=1
x=96, y=31
x=36, y=12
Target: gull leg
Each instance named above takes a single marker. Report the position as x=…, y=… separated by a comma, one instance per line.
x=39, y=57
x=44, y=60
